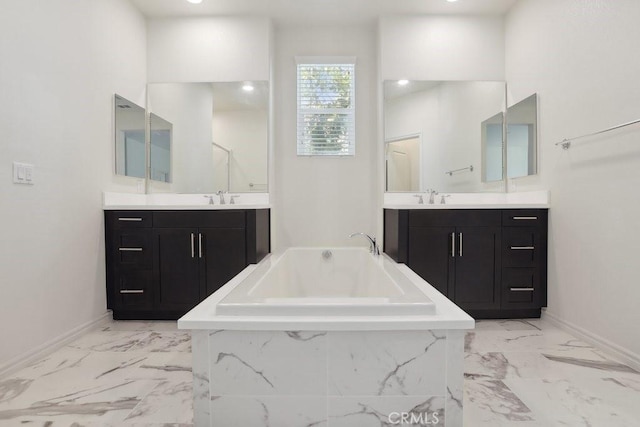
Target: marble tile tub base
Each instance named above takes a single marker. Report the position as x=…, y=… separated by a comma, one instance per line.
x=330, y=379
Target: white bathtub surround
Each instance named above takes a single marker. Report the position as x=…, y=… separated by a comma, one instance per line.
x=121, y=201
x=318, y=368
x=523, y=200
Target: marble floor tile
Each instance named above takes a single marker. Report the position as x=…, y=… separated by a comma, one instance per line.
x=481, y=341
x=493, y=403
x=140, y=325
x=510, y=325
x=519, y=373
x=117, y=341
x=169, y=401
x=581, y=401
x=179, y=341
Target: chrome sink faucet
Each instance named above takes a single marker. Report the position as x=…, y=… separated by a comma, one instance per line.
x=432, y=194
x=210, y=199
x=373, y=247
x=420, y=198
x=221, y=194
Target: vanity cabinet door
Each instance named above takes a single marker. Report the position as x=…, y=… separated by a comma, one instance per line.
x=477, y=268
x=223, y=256
x=431, y=255
x=176, y=271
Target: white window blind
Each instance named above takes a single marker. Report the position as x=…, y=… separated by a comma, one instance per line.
x=326, y=109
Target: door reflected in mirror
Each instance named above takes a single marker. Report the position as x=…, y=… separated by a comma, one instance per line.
x=403, y=164
x=448, y=117
x=522, y=126
x=129, y=138
x=219, y=137
x=160, y=151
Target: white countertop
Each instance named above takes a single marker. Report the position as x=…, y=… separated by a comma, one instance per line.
x=472, y=206
x=185, y=207
x=524, y=200
x=170, y=201
x=448, y=315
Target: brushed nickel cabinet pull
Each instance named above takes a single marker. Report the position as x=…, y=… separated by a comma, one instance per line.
x=522, y=248
x=130, y=249
x=460, y=248
x=521, y=289
x=130, y=219
x=200, y=244
x=524, y=218
x=453, y=245
x=193, y=248
x=132, y=291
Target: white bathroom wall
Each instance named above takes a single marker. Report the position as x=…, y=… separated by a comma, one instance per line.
x=438, y=47
x=62, y=62
x=244, y=132
x=319, y=201
x=581, y=58
x=208, y=49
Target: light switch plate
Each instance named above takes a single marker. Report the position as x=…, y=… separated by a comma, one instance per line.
x=22, y=173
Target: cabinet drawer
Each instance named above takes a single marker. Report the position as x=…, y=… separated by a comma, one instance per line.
x=129, y=219
x=521, y=287
x=524, y=217
x=195, y=219
x=454, y=218
x=133, y=289
x=132, y=249
x=521, y=246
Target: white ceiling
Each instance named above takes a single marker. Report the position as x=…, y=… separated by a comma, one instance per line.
x=320, y=11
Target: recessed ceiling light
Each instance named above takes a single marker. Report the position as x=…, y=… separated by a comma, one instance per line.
x=247, y=87
x=403, y=82
x=195, y=1
x=452, y=1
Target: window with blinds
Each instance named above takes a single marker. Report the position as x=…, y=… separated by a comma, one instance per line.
x=326, y=109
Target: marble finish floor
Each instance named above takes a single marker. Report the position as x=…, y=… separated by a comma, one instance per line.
x=138, y=374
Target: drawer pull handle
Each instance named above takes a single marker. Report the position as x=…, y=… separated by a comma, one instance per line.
x=130, y=249
x=525, y=218
x=130, y=219
x=521, y=289
x=200, y=245
x=460, y=248
x=193, y=247
x=522, y=248
x=132, y=291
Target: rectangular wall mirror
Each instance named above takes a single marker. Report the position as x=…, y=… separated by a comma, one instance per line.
x=522, y=138
x=436, y=132
x=218, y=136
x=129, y=138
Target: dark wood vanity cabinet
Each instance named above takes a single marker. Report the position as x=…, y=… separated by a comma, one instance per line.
x=490, y=262
x=160, y=264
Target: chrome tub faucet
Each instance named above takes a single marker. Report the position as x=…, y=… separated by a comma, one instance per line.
x=373, y=247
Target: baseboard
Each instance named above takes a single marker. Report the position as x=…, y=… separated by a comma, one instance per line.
x=25, y=359
x=617, y=352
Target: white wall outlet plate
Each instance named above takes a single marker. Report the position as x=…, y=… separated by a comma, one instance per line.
x=22, y=173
